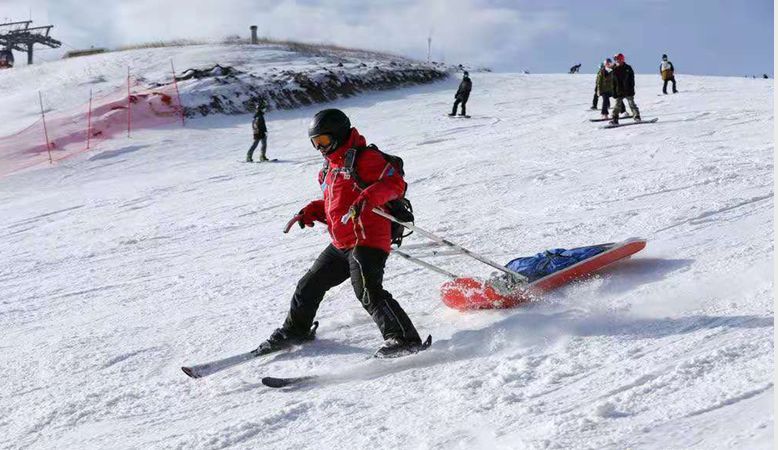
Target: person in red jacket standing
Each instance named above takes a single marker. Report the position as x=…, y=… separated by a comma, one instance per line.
x=623, y=87
x=361, y=239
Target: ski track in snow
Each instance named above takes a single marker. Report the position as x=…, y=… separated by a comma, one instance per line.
x=121, y=265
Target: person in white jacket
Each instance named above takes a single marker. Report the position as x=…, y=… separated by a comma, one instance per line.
x=667, y=71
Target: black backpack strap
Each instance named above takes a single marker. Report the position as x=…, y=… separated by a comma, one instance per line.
x=400, y=208
x=350, y=159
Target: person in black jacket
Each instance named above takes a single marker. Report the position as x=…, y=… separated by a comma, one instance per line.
x=260, y=134
x=623, y=88
x=462, y=95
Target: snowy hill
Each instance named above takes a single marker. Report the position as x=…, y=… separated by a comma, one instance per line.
x=229, y=77
x=120, y=266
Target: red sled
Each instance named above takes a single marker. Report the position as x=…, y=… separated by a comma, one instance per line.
x=512, y=288
x=465, y=293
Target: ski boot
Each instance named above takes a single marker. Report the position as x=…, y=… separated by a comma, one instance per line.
x=248, y=159
x=263, y=158
x=637, y=119
x=397, y=347
x=282, y=339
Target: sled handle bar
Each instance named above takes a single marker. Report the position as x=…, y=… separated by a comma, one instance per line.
x=424, y=264
x=440, y=240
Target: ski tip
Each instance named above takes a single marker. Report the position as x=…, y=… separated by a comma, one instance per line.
x=189, y=372
x=427, y=342
x=274, y=382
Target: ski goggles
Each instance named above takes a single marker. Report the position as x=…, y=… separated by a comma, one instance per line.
x=322, y=141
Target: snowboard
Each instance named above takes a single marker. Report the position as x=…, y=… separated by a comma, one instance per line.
x=654, y=120
x=258, y=161
x=604, y=120
x=470, y=293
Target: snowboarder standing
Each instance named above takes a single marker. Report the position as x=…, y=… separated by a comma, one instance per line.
x=360, y=238
x=604, y=85
x=667, y=71
x=260, y=134
x=462, y=95
x=623, y=87
x=596, y=90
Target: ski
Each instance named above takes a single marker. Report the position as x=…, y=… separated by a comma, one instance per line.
x=281, y=382
x=411, y=351
x=654, y=120
x=459, y=116
x=274, y=382
x=209, y=368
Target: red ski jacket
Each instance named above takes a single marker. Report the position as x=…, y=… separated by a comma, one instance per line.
x=341, y=192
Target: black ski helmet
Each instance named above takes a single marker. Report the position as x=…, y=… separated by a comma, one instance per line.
x=333, y=122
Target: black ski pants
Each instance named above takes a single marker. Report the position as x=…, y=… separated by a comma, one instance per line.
x=464, y=106
x=262, y=151
x=606, y=104
x=595, y=98
x=365, y=267
x=664, y=86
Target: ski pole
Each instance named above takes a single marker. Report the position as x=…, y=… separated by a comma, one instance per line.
x=442, y=241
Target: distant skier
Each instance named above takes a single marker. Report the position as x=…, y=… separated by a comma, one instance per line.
x=360, y=238
x=604, y=85
x=623, y=87
x=667, y=71
x=462, y=95
x=575, y=68
x=260, y=134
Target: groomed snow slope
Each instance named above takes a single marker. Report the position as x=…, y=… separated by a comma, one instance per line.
x=122, y=265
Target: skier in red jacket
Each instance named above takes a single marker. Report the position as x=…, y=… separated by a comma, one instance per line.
x=360, y=239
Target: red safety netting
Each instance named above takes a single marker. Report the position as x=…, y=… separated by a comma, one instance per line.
x=76, y=130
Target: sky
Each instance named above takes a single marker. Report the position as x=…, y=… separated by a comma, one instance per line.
x=705, y=37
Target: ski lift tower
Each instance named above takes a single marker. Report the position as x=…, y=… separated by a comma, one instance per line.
x=21, y=36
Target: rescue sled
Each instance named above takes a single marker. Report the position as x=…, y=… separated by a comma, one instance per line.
x=522, y=279
x=469, y=293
